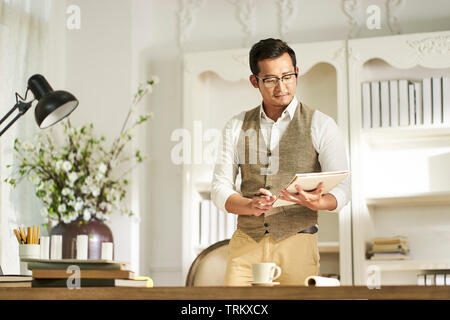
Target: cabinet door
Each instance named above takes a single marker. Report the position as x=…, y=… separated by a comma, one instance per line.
x=391, y=186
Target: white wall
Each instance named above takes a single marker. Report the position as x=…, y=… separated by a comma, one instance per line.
x=98, y=72
x=123, y=42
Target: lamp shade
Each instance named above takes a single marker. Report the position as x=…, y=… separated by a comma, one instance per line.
x=52, y=106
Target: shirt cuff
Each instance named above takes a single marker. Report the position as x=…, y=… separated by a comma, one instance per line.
x=340, y=199
x=220, y=198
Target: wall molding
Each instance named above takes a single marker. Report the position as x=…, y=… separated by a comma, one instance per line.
x=352, y=10
x=245, y=11
x=393, y=7
x=186, y=18
x=287, y=13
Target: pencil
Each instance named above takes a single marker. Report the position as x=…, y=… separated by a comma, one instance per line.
x=37, y=237
x=17, y=236
x=33, y=241
x=29, y=235
x=23, y=235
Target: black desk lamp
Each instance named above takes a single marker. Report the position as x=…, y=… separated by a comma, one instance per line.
x=52, y=106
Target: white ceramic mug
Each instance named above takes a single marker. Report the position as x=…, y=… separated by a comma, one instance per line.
x=265, y=272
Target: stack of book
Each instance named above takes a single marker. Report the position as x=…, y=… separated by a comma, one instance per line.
x=393, y=248
x=72, y=273
x=15, y=281
x=394, y=103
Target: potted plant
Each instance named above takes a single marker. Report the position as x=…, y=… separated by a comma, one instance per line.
x=81, y=182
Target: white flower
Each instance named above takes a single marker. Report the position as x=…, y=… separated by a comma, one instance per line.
x=72, y=177
x=66, y=219
x=66, y=191
x=67, y=166
x=27, y=146
x=131, y=132
x=59, y=165
x=89, y=181
x=99, y=176
x=155, y=79
x=95, y=191
x=86, y=215
x=62, y=208
x=44, y=212
x=78, y=206
x=85, y=189
x=73, y=216
x=102, y=168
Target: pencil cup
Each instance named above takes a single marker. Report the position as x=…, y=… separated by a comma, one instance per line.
x=107, y=251
x=28, y=251
x=82, y=247
x=45, y=247
x=56, y=247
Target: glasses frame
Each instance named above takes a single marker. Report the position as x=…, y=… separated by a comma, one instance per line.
x=278, y=79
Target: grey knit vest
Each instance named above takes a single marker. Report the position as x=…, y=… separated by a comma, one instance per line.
x=262, y=168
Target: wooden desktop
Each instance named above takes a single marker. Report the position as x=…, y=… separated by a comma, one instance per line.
x=229, y=293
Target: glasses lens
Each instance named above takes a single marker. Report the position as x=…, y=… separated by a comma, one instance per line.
x=272, y=82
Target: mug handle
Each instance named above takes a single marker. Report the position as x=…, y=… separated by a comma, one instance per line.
x=276, y=272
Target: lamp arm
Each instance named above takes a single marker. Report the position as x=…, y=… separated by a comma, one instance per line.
x=22, y=106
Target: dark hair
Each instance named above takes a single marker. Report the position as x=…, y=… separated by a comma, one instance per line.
x=269, y=48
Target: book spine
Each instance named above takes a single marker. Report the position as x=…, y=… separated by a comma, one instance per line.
x=412, y=104
x=403, y=103
x=419, y=108
x=366, y=106
x=59, y=283
x=375, y=92
x=437, y=101
x=393, y=94
x=213, y=227
x=427, y=102
x=385, y=108
x=204, y=222
x=446, y=99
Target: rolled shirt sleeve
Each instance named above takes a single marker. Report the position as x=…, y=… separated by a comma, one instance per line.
x=226, y=167
x=329, y=144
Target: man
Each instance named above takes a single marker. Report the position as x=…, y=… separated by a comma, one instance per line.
x=290, y=138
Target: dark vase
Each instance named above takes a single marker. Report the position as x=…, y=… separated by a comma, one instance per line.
x=97, y=231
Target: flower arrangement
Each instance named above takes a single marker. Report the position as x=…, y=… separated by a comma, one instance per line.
x=81, y=179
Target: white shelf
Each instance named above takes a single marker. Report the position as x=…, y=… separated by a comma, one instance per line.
x=429, y=198
x=329, y=247
x=410, y=265
x=412, y=134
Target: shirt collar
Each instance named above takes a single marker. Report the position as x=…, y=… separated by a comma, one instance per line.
x=290, y=110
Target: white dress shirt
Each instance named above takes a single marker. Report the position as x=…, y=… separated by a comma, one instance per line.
x=326, y=139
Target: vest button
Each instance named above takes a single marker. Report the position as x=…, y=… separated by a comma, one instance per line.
x=269, y=153
x=268, y=187
x=266, y=225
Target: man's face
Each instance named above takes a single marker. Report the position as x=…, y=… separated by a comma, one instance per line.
x=282, y=94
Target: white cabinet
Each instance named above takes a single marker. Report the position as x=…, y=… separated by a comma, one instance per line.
x=398, y=174
x=216, y=87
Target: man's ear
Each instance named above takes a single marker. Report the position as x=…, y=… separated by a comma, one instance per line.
x=254, y=81
x=297, y=70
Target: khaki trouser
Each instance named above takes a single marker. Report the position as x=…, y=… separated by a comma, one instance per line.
x=298, y=257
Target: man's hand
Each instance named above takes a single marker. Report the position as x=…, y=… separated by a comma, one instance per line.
x=314, y=199
x=263, y=203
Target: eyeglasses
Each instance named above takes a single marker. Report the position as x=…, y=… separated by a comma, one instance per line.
x=272, y=82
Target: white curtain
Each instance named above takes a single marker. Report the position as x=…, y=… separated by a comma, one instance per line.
x=23, y=52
